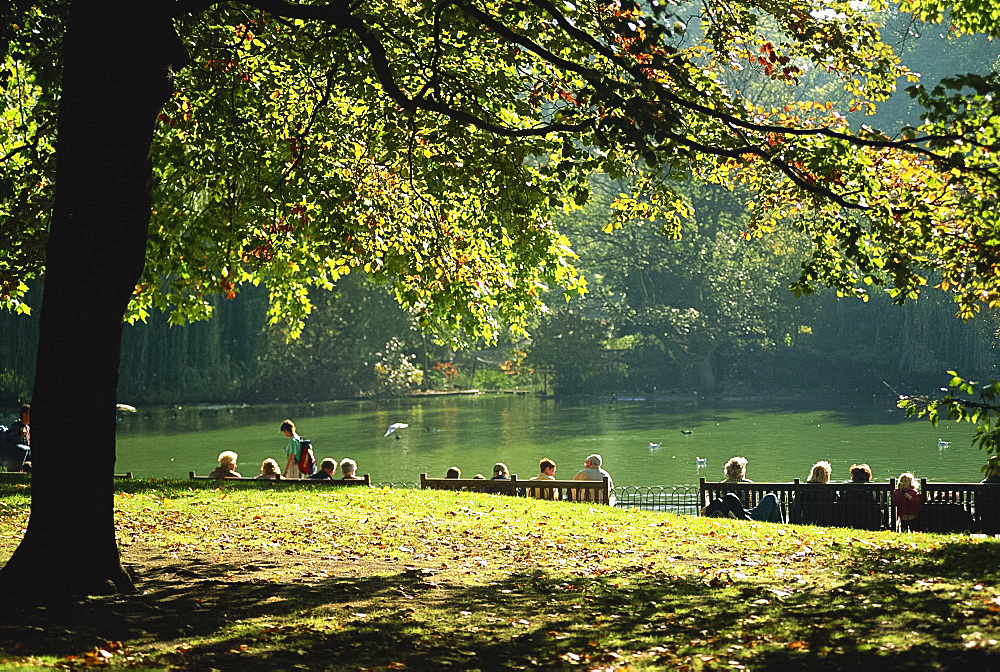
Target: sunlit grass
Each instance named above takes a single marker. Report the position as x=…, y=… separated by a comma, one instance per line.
x=349, y=578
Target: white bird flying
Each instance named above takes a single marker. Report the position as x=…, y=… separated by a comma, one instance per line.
x=393, y=427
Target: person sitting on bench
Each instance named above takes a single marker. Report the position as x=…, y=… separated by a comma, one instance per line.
x=269, y=470
x=348, y=467
x=736, y=470
x=858, y=507
x=227, y=466
x=814, y=506
x=326, y=470
x=730, y=506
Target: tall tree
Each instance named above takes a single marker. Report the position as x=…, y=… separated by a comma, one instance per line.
x=111, y=93
x=426, y=143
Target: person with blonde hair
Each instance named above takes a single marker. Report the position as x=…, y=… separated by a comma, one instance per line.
x=813, y=504
x=269, y=470
x=907, y=499
x=736, y=470
x=227, y=466
x=821, y=472
x=500, y=472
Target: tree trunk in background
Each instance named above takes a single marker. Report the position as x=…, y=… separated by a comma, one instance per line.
x=115, y=79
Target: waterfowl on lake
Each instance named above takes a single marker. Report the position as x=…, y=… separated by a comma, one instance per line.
x=686, y=432
x=701, y=461
x=943, y=444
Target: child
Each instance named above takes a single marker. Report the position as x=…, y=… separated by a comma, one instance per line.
x=292, y=449
x=907, y=500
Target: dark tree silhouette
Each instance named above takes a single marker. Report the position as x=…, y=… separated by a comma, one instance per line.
x=115, y=79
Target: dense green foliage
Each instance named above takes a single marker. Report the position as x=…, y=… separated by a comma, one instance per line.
x=427, y=143
x=431, y=144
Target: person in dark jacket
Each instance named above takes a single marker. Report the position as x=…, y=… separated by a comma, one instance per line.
x=500, y=472
x=814, y=506
x=326, y=469
x=857, y=505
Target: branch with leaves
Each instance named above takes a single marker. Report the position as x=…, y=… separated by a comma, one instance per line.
x=962, y=401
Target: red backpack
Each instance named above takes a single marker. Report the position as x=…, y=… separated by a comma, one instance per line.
x=307, y=458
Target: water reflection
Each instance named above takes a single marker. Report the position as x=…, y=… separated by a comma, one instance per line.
x=648, y=442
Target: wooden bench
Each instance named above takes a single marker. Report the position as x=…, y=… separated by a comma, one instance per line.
x=959, y=507
x=365, y=480
x=597, y=492
x=858, y=505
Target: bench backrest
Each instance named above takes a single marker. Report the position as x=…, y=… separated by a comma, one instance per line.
x=365, y=480
x=959, y=507
x=860, y=505
x=598, y=492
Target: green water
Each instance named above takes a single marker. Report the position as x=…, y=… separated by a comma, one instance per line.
x=781, y=440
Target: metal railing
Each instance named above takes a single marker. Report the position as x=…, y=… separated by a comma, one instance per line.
x=676, y=499
x=403, y=485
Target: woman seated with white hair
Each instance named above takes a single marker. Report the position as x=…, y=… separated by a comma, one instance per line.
x=227, y=466
x=347, y=468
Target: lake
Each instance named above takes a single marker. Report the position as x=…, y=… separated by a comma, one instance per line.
x=781, y=439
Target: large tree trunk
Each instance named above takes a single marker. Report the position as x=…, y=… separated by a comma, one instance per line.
x=115, y=79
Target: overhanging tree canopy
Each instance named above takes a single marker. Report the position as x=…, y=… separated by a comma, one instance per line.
x=426, y=143
x=302, y=138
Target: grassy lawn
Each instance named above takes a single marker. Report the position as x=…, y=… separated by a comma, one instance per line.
x=235, y=577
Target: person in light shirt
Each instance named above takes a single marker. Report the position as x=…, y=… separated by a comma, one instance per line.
x=546, y=470
x=593, y=471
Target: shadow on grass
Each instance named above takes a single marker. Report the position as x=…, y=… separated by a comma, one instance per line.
x=201, y=615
